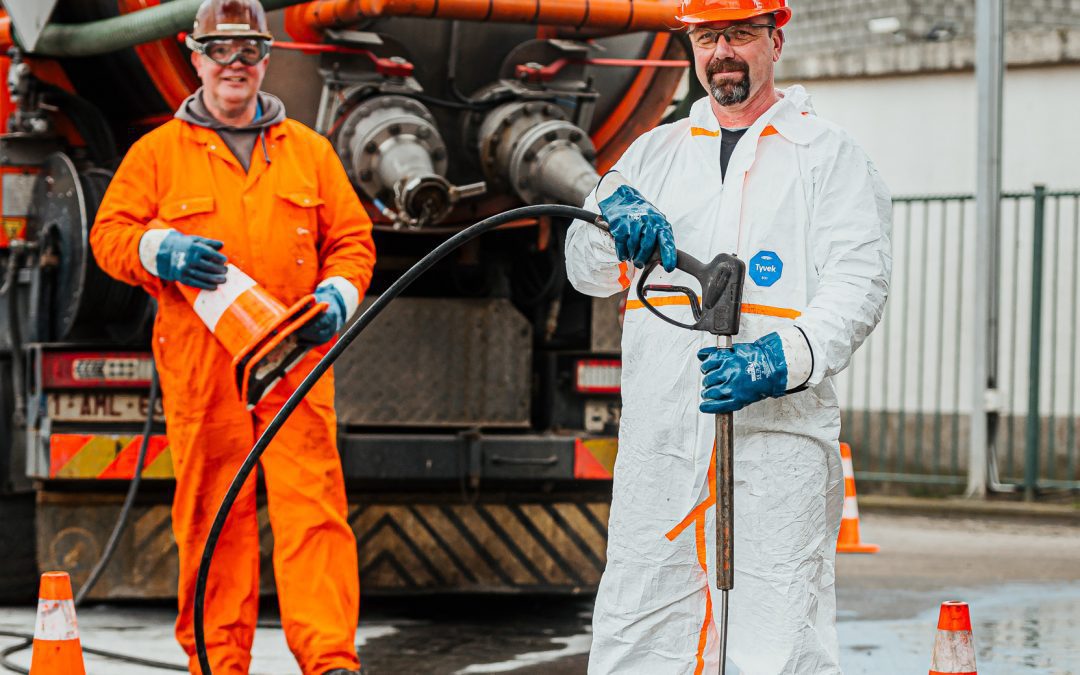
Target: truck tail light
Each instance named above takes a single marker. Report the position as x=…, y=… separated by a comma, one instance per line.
x=598, y=376
x=75, y=370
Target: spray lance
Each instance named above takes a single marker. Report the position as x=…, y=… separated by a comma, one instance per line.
x=717, y=312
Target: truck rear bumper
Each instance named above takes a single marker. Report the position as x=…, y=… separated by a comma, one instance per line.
x=369, y=458
x=474, y=456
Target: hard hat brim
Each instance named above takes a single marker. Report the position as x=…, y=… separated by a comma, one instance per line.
x=233, y=34
x=783, y=15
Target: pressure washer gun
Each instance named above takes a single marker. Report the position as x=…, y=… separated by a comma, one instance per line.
x=718, y=312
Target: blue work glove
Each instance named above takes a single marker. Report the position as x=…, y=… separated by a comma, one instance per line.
x=194, y=261
x=320, y=329
x=745, y=374
x=638, y=228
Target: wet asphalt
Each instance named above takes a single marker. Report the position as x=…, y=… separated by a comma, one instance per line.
x=1021, y=579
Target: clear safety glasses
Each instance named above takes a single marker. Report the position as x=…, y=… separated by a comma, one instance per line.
x=226, y=51
x=736, y=34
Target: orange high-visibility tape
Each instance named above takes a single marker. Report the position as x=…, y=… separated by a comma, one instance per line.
x=762, y=310
x=703, y=634
x=701, y=131
x=624, y=278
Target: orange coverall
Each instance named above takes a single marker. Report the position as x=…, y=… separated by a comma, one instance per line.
x=289, y=224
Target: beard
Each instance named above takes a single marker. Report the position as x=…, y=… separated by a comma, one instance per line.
x=728, y=92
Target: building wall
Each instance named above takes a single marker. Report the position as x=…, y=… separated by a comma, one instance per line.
x=920, y=130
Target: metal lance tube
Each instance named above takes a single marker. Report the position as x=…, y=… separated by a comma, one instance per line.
x=725, y=513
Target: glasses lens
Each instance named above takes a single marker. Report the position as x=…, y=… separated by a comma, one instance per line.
x=705, y=38
x=226, y=52
x=741, y=34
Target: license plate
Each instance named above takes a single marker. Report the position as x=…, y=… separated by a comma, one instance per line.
x=101, y=407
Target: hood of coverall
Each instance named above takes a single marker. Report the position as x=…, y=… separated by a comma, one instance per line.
x=194, y=110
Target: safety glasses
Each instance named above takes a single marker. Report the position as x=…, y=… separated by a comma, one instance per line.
x=737, y=34
x=226, y=51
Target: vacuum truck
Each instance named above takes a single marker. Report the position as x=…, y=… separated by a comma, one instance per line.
x=478, y=416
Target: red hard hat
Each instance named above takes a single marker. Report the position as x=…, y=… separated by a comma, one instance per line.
x=229, y=19
x=704, y=11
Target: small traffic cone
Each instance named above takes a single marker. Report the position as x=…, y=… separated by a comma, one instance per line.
x=954, y=650
x=848, y=541
x=256, y=328
x=57, y=650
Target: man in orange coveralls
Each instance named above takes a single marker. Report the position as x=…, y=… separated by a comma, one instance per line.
x=232, y=178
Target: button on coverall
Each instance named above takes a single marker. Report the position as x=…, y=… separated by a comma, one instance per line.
x=288, y=224
x=801, y=193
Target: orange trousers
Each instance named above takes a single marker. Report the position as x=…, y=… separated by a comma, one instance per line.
x=315, y=557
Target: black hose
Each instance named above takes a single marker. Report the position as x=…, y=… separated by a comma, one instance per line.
x=106, y=556
x=129, y=500
x=28, y=640
x=395, y=289
x=18, y=373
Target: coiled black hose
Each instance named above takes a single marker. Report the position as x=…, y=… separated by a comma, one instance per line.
x=395, y=289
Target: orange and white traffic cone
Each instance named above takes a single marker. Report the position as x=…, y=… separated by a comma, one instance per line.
x=954, y=650
x=57, y=650
x=256, y=328
x=848, y=541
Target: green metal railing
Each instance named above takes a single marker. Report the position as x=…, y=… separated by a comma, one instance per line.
x=905, y=396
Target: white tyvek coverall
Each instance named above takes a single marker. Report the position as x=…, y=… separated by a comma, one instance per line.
x=800, y=188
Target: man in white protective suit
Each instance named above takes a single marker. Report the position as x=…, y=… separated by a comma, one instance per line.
x=753, y=172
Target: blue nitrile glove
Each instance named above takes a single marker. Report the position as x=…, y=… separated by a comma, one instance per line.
x=747, y=373
x=638, y=228
x=326, y=325
x=191, y=260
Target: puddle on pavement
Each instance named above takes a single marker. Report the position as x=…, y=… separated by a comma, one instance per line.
x=1018, y=629
x=1034, y=630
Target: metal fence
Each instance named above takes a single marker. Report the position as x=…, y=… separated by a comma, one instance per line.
x=906, y=394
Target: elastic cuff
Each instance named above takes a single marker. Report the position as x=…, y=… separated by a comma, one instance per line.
x=348, y=292
x=149, y=245
x=608, y=184
x=799, y=357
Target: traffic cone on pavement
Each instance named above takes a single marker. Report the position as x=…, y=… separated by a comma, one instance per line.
x=255, y=327
x=849, y=542
x=57, y=650
x=954, y=651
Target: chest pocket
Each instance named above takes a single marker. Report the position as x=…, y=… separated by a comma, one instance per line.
x=292, y=249
x=189, y=215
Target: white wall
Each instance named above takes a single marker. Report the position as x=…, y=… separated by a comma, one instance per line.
x=921, y=133
x=921, y=130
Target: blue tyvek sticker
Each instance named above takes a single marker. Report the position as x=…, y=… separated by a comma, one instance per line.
x=765, y=268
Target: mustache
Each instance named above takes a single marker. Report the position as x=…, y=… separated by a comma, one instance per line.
x=728, y=65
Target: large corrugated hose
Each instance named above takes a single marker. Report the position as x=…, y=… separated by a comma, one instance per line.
x=128, y=30
x=395, y=289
